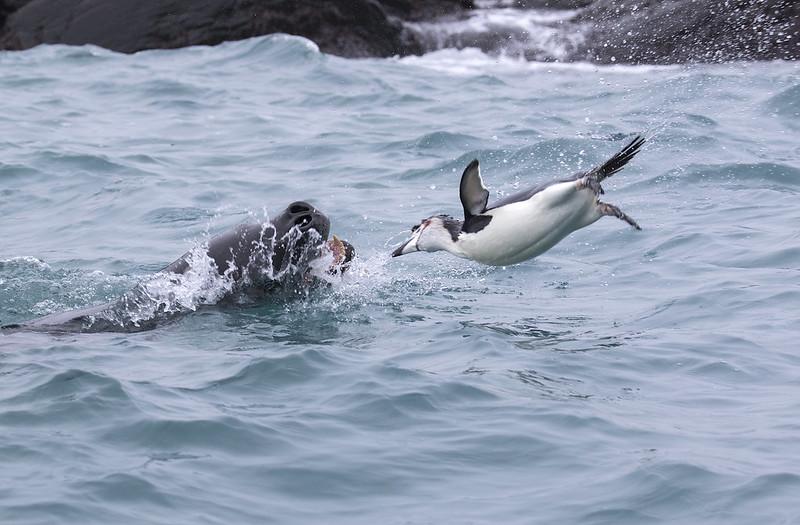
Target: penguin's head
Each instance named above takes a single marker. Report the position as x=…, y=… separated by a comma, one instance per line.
x=438, y=232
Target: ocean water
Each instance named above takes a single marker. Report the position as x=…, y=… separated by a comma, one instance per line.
x=622, y=377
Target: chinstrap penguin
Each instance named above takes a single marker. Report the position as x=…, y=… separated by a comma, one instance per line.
x=520, y=226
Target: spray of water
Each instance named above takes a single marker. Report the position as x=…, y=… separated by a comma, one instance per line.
x=165, y=295
x=502, y=30
x=277, y=268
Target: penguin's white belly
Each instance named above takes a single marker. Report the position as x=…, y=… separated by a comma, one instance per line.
x=523, y=230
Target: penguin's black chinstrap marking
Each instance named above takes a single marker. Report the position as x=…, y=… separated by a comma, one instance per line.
x=453, y=226
x=476, y=223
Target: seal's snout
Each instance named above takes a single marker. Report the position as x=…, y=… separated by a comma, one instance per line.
x=305, y=217
x=300, y=207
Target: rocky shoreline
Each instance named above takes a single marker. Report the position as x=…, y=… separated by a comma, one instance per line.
x=603, y=31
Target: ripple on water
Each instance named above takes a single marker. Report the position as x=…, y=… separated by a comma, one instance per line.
x=68, y=397
x=17, y=170
x=438, y=141
x=167, y=216
x=220, y=435
x=265, y=373
x=124, y=488
x=89, y=163
x=786, y=105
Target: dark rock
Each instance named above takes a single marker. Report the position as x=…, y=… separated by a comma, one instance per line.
x=551, y=4
x=634, y=31
x=417, y=10
x=677, y=31
x=9, y=6
x=352, y=28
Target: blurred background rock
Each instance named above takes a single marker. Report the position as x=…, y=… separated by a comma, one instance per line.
x=605, y=31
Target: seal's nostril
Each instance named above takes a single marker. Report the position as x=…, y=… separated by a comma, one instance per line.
x=298, y=208
x=303, y=220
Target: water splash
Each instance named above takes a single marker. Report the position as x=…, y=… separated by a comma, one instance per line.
x=165, y=295
x=532, y=34
x=190, y=283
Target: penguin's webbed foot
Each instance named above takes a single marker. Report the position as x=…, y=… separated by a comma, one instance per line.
x=612, y=211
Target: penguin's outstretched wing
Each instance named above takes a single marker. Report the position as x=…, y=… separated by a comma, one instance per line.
x=474, y=195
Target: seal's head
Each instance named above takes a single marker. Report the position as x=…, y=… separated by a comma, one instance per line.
x=302, y=233
x=299, y=230
x=305, y=218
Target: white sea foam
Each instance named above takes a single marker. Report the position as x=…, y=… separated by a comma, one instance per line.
x=531, y=33
x=473, y=61
x=200, y=284
x=25, y=260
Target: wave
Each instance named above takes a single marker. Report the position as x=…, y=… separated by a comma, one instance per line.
x=279, y=50
x=169, y=215
x=41, y=55
x=226, y=434
x=68, y=397
x=765, y=174
x=438, y=141
x=276, y=372
x=786, y=106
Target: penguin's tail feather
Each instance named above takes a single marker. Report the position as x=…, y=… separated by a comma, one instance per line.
x=617, y=162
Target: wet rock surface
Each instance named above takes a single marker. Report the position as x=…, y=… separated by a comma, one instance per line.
x=355, y=28
x=604, y=31
x=677, y=31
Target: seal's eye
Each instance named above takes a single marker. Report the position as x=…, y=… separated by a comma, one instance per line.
x=415, y=228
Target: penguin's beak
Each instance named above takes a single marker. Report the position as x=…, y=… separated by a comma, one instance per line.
x=407, y=247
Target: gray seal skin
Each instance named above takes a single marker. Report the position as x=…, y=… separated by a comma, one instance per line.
x=249, y=246
x=251, y=253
